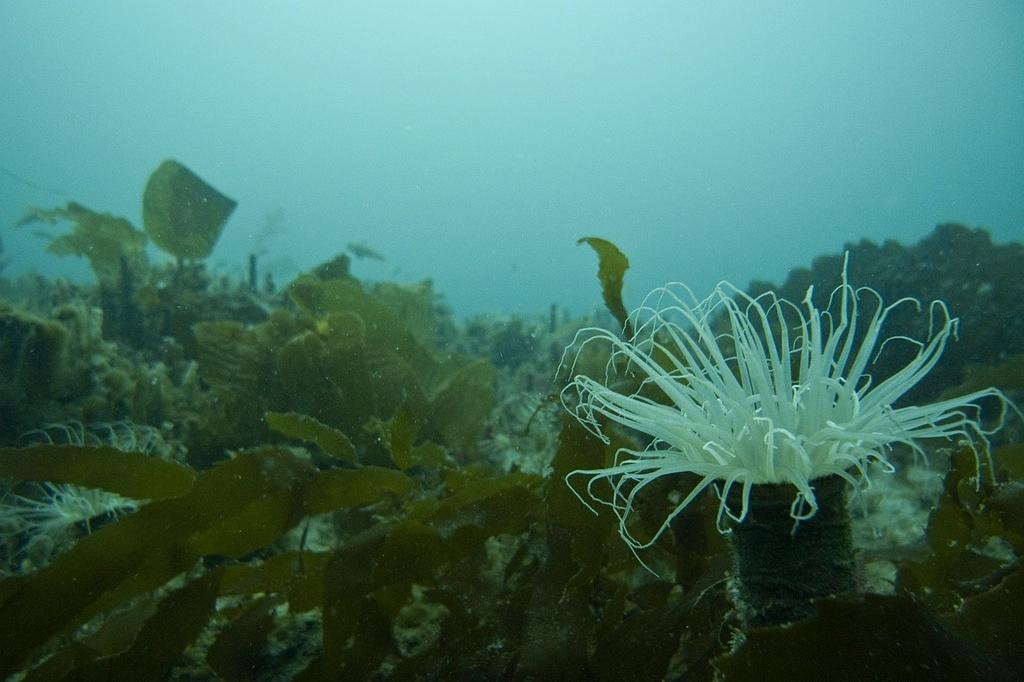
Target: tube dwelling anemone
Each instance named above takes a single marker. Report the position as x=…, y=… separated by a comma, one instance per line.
x=772, y=405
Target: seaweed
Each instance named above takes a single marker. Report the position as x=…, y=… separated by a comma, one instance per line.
x=238, y=650
x=385, y=331
x=116, y=253
x=179, y=619
x=33, y=368
x=955, y=612
x=414, y=591
x=367, y=581
x=612, y=266
x=461, y=403
x=348, y=361
x=329, y=440
x=324, y=376
x=144, y=550
x=971, y=515
x=1007, y=376
x=340, y=488
x=338, y=522
x=872, y=636
x=110, y=244
x=183, y=215
x=589, y=531
x=130, y=474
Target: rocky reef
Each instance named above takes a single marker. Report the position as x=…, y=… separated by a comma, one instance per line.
x=339, y=480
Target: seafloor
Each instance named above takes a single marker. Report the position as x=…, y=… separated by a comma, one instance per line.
x=207, y=478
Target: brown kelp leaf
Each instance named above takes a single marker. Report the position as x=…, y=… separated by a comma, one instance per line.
x=336, y=268
x=641, y=646
x=479, y=508
x=401, y=434
x=432, y=456
x=1007, y=376
x=240, y=364
x=415, y=304
x=146, y=549
x=118, y=630
x=302, y=578
x=348, y=578
x=303, y=427
x=964, y=520
x=990, y=622
x=1008, y=503
x=229, y=357
x=253, y=525
x=179, y=619
x=296, y=575
x=239, y=649
x=326, y=380
x=109, y=243
x=1009, y=461
x=612, y=266
x=359, y=607
x=362, y=656
x=411, y=550
x=384, y=329
x=126, y=473
x=33, y=363
x=556, y=620
x=578, y=449
x=367, y=581
x=183, y=214
x=472, y=490
x=344, y=488
x=462, y=403
x=869, y=637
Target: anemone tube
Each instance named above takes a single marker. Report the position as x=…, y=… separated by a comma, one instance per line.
x=757, y=398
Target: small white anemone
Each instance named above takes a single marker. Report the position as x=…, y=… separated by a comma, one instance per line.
x=56, y=508
x=781, y=394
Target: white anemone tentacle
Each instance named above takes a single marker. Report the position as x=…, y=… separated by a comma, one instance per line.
x=783, y=395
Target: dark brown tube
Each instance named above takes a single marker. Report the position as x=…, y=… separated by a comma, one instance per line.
x=782, y=569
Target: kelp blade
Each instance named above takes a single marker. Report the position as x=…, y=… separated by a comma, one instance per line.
x=611, y=270
x=126, y=473
x=183, y=214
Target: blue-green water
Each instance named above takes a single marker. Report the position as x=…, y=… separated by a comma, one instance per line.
x=474, y=142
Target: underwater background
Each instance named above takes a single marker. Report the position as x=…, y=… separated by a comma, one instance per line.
x=473, y=142
x=297, y=301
